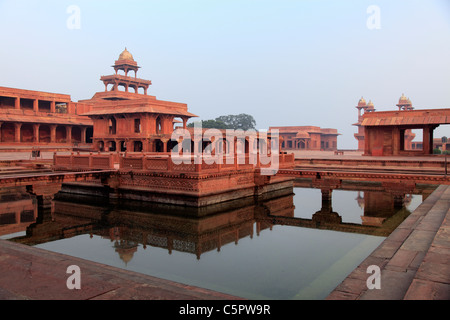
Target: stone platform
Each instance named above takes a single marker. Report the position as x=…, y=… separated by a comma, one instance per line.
x=36, y=274
x=414, y=260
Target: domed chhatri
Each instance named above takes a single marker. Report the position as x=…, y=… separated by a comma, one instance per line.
x=404, y=103
x=126, y=55
x=362, y=101
x=403, y=99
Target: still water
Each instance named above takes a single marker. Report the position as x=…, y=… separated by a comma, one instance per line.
x=293, y=246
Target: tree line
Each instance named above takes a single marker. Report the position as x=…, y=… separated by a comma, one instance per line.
x=240, y=121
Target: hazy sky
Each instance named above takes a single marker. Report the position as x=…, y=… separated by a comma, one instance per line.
x=295, y=62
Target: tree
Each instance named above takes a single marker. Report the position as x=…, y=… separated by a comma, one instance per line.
x=241, y=121
x=210, y=124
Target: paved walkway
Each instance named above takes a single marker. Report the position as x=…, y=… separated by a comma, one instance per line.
x=37, y=274
x=414, y=260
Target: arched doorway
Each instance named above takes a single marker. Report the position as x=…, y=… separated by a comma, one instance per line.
x=159, y=146
x=172, y=145
x=159, y=127
x=89, y=134
x=61, y=134
x=137, y=146
x=8, y=132
x=26, y=133
x=44, y=133
x=76, y=134
x=112, y=146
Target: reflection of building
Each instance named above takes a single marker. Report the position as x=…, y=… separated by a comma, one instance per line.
x=36, y=118
x=132, y=225
x=17, y=211
x=307, y=138
x=131, y=120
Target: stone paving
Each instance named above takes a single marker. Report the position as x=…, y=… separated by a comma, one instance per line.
x=35, y=274
x=414, y=260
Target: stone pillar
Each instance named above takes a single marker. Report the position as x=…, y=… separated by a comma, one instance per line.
x=427, y=140
x=83, y=134
x=326, y=199
x=69, y=134
x=52, y=106
x=17, y=132
x=53, y=133
x=36, y=132
x=35, y=105
x=164, y=141
x=17, y=103
x=145, y=145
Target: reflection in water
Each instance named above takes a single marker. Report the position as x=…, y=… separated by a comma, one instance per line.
x=18, y=210
x=279, y=248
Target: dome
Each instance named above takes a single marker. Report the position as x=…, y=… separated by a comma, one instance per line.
x=403, y=99
x=126, y=55
x=370, y=104
x=362, y=102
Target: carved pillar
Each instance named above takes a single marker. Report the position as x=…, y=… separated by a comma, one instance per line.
x=17, y=103
x=53, y=106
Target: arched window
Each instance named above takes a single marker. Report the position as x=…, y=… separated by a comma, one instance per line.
x=158, y=125
x=112, y=125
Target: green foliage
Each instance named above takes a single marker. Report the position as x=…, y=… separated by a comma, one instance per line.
x=241, y=121
x=436, y=151
x=210, y=124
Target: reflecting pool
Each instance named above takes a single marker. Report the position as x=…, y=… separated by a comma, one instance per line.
x=290, y=246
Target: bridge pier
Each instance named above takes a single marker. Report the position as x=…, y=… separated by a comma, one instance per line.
x=326, y=213
x=44, y=194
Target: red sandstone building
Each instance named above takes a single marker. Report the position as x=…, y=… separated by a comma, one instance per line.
x=307, y=138
x=390, y=133
x=404, y=103
x=34, y=118
x=130, y=120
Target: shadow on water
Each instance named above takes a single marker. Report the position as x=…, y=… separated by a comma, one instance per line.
x=283, y=247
